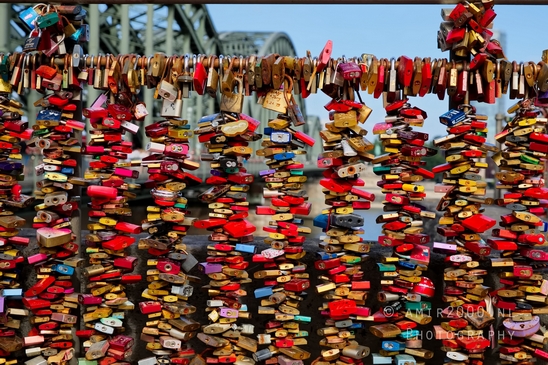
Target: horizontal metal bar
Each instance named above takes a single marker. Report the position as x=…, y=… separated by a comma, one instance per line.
x=278, y=2
x=147, y=62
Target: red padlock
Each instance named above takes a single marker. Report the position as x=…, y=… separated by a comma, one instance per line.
x=479, y=223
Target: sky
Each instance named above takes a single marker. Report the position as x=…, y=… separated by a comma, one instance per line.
x=384, y=30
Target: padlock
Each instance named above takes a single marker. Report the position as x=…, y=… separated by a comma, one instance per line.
x=47, y=19
x=232, y=102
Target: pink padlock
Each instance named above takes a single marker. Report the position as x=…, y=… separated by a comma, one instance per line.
x=89, y=299
x=93, y=150
x=228, y=313
x=39, y=257
x=102, y=191
x=123, y=172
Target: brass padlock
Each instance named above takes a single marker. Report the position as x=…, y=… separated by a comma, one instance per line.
x=227, y=82
x=212, y=78
x=233, y=102
x=276, y=100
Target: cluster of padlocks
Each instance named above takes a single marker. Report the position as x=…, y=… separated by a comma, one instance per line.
x=14, y=132
x=53, y=62
x=405, y=291
x=521, y=299
x=167, y=223
x=111, y=268
x=342, y=251
x=285, y=276
x=468, y=312
x=226, y=137
x=52, y=300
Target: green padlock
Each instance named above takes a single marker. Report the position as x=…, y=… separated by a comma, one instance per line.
x=386, y=267
x=4, y=68
x=381, y=170
x=418, y=306
x=529, y=159
x=47, y=20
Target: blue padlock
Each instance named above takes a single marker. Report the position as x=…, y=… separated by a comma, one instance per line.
x=393, y=345
x=321, y=221
x=14, y=293
x=407, y=334
x=48, y=114
x=284, y=156
x=378, y=359
x=281, y=137
x=408, y=264
x=263, y=292
x=28, y=16
x=245, y=248
x=63, y=269
x=452, y=117
x=404, y=359
x=327, y=256
x=208, y=118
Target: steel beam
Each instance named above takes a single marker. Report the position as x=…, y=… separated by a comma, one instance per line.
x=126, y=27
x=5, y=15
x=149, y=49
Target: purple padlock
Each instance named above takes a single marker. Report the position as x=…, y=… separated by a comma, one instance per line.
x=266, y=172
x=209, y=268
x=522, y=329
x=284, y=360
x=542, y=99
